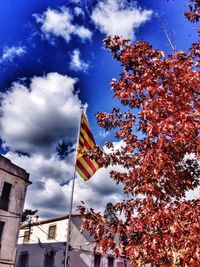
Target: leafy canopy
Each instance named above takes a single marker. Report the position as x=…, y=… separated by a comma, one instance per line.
x=160, y=127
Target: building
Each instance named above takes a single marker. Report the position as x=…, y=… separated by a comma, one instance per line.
x=13, y=184
x=43, y=244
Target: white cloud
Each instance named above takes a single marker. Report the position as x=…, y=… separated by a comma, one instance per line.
x=118, y=17
x=193, y=194
x=103, y=134
x=100, y=189
x=10, y=53
x=59, y=24
x=76, y=63
x=79, y=11
x=36, y=119
x=116, y=146
x=46, y=174
x=41, y=167
x=46, y=194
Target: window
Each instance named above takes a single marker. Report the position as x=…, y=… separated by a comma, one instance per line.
x=26, y=236
x=52, y=232
x=4, y=200
x=23, y=259
x=49, y=259
x=1, y=229
x=97, y=260
x=110, y=261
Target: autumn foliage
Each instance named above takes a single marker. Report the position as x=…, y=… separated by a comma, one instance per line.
x=194, y=11
x=159, y=122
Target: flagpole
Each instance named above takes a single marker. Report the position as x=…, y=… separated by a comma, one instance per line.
x=72, y=197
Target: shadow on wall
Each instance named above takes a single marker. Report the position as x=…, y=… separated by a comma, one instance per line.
x=77, y=223
x=51, y=255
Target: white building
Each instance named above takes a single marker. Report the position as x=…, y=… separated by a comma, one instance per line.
x=13, y=185
x=43, y=244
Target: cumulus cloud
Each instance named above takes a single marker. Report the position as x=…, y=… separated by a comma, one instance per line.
x=35, y=119
x=10, y=53
x=60, y=24
x=76, y=63
x=41, y=167
x=51, y=199
x=116, y=17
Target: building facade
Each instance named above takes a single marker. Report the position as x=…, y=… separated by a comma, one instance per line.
x=43, y=244
x=13, y=185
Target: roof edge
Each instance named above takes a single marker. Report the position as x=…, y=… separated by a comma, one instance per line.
x=7, y=165
x=54, y=219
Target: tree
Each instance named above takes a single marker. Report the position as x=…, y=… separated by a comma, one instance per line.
x=27, y=213
x=160, y=126
x=194, y=11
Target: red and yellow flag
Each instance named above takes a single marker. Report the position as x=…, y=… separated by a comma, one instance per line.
x=85, y=166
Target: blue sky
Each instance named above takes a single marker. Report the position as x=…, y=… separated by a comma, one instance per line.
x=52, y=60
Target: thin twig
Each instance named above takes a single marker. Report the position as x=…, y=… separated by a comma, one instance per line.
x=169, y=38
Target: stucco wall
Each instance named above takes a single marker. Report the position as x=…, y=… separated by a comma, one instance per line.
x=37, y=253
x=12, y=216
x=81, y=255
x=39, y=244
x=41, y=231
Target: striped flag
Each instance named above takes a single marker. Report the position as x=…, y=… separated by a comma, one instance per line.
x=85, y=166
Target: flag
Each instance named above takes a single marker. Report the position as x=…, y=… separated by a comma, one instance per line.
x=85, y=166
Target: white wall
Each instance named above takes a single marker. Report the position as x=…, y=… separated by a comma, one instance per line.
x=82, y=254
x=39, y=231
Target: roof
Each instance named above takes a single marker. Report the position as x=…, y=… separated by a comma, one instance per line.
x=8, y=166
x=54, y=219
